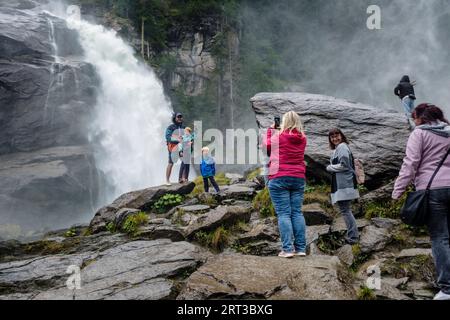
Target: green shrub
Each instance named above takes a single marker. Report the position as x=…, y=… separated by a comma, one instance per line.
x=167, y=202
x=111, y=227
x=216, y=240
x=386, y=209
x=133, y=222
x=318, y=194
x=255, y=173
x=330, y=242
x=365, y=293
x=359, y=258
x=418, y=268
x=199, y=188
x=263, y=203
x=70, y=233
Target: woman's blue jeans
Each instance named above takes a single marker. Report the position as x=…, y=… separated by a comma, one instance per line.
x=287, y=197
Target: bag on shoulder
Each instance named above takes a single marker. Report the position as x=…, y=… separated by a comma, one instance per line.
x=359, y=171
x=415, y=211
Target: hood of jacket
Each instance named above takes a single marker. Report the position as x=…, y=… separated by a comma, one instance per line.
x=405, y=79
x=208, y=159
x=440, y=128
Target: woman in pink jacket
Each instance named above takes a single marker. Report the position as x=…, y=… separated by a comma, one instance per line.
x=287, y=182
x=427, y=146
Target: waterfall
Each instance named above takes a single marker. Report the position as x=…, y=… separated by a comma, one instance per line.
x=54, y=67
x=131, y=113
x=52, y=39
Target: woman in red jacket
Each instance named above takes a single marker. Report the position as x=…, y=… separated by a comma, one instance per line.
x=287, y=182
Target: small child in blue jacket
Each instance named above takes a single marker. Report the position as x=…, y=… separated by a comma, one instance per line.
x=208, y=170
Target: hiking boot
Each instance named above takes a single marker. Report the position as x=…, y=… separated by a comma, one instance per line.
x=283, y=254
x=442, y=296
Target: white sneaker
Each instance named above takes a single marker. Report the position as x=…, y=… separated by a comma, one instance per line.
x=300, y=254
x=283, y=254
x=168, y=184
x=442, y=296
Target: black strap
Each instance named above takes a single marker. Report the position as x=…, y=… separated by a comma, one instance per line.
x=437, y=169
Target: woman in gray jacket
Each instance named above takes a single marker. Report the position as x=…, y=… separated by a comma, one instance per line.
x=343, y=187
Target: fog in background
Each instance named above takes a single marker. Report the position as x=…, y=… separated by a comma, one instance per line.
x=325, y=47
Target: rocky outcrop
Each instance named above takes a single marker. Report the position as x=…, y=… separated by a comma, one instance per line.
x=153, y=260
x=47, y=93
x=237, y=192
x=139, y=270
x=249, y=277
x=221, y=216
x=315, y=215
x=140, y=200
x=54, y=186
x=377, y=137
x=374, y=239
x=195, y=64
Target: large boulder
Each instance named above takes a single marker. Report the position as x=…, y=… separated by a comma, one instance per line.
x=140, y=200
x=377, y=137
x=221, y=216
x=135, y=270
x=374, y=239
x=249, y=277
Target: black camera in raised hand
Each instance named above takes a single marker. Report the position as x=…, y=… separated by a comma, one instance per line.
x=277, y=121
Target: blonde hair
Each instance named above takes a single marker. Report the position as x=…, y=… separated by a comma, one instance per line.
x=205, y=149
x=291, y=121
x=188, y=129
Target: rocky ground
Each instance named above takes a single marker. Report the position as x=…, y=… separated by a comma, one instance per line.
x=178, y=242
x=153, y=244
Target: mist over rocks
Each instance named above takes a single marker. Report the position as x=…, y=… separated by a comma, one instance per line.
x=377, y=137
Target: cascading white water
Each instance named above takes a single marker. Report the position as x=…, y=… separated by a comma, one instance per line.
x=131, y=113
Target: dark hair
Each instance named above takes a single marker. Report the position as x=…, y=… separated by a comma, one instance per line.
x=333, y=132
x=429, y=113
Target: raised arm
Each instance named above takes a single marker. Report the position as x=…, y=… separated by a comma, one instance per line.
x=410, y=164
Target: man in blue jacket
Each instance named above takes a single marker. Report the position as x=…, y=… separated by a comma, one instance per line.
x=174, y=134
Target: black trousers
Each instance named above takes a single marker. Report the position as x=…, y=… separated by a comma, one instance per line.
x=439, y=226
x=213, y=182
x=184, y=171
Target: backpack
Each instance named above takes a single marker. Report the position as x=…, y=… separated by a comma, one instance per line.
x=359, y=171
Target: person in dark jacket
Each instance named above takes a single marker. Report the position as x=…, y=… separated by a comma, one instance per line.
x=174, y=134
x=405, y=91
